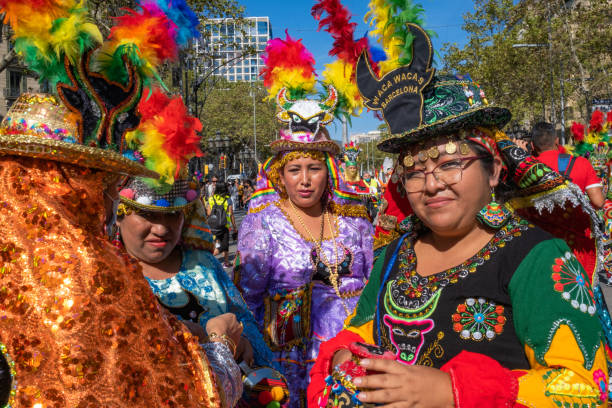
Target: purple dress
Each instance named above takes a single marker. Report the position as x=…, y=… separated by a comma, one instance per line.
x=288, y=288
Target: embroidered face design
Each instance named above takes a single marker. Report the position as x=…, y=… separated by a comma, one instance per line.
x=304, y=115
x=407, y=337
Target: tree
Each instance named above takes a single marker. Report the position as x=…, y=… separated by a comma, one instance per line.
x=229, y=110
x=573, y=41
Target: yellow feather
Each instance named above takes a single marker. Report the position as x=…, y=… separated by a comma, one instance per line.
x=290, y=78
x=378, y=16
x=157, y=159
x=339, y=74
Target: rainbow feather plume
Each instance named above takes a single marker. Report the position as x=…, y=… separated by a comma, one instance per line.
x=146, y=37
x=388, y=19
x=288, y=64
x=47, y=31
x=182, y=16
x=167, y=136
x=341, y=73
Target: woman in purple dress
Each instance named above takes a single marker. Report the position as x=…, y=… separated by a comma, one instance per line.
x=304, y=253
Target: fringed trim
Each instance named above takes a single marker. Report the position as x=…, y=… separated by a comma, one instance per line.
x=259, y=208
x=349, y=210
x=382, y=239
x=197, y=243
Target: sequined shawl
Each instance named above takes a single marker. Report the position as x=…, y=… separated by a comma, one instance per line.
x=78, y=323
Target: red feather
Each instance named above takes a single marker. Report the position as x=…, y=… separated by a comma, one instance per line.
x=597, y=121
x=338, y=24
x=287, y=54
x=609, y=118
x=578, y=131
x=171, y=118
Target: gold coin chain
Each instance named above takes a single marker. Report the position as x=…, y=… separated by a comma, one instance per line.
x=333, y=268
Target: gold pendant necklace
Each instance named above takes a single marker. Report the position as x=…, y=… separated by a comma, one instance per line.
x=333, y=268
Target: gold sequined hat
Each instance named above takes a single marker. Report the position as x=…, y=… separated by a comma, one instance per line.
x=40, y=126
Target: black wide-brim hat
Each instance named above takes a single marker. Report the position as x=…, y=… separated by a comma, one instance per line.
x=417, y=104
x=450, y=105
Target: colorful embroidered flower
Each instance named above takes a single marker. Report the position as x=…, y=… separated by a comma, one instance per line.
x=478, y=319
x=574, y=287
x=600, y=379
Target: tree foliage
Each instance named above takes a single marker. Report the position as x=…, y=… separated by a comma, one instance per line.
x=229, y=110
x=575, y=42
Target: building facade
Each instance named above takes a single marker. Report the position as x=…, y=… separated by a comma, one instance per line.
x=15, y=79
x=226, y=42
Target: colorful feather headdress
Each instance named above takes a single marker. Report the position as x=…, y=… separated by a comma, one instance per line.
x=341, y=73
x=594, y=140
x=289, y=76
x=102, y=83
x=389, y=19
x=351, y=153
x=288, y=64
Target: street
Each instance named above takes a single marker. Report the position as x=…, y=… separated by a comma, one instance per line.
x=238, y=216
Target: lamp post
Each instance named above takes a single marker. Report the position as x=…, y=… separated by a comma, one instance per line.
x=219, y=144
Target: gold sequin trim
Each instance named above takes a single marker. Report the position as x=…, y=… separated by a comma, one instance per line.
x=73, y=153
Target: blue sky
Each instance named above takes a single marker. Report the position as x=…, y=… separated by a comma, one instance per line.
x=445, y=17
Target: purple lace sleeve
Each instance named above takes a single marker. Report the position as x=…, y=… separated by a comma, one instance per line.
x=254, y=247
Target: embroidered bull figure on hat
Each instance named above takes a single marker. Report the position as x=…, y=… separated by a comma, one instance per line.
x=399, y=94
x=407, y=337
x=305, y=115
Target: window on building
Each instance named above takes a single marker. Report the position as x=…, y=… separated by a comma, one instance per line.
x=261, y=46
x=230, y=30
x=238, y=77
x=239, y=70
x=262, y=27
x=231, y=70
x=16, y=80
x=231, y=78
x=254, y=61
x=254, y=70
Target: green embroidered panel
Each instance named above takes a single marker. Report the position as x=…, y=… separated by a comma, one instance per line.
x=550, y=289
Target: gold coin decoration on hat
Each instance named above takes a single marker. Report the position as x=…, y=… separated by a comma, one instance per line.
x=450, y=147
x=433, y=152
x=464, y=148
x=408, y=160
x=423, y=156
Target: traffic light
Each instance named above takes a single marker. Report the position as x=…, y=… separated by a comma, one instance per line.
x=222, y=162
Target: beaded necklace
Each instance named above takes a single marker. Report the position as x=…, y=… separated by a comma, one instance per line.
x=333, y=268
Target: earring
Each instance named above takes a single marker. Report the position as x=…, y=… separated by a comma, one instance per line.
x=117, y=241
x=494, y=214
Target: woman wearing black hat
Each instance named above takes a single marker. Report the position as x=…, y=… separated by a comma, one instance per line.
x=469, y=305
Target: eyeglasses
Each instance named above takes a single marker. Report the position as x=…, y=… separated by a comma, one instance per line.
x=447, y=173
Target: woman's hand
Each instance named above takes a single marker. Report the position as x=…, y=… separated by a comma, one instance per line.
x=244, y=352
x=398, y=385
x=225, y=324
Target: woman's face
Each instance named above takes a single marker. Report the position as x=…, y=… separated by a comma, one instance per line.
x=451, y=210
x=305, y=180
x=150, y=237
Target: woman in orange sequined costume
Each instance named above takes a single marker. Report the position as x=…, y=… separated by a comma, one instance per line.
x=79, y=325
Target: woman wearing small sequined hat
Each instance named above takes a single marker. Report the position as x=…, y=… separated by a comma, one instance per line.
x=79, y=324
x=305, y=246
x=469, y=305
x=163, y=226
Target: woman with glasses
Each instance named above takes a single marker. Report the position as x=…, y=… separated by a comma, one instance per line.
x=468, y=305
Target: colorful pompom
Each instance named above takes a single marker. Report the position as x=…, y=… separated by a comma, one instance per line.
x=179, y=202
x=127, y=193
x=191, y=195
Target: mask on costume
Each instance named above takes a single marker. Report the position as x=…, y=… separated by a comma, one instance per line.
x=306, y=116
